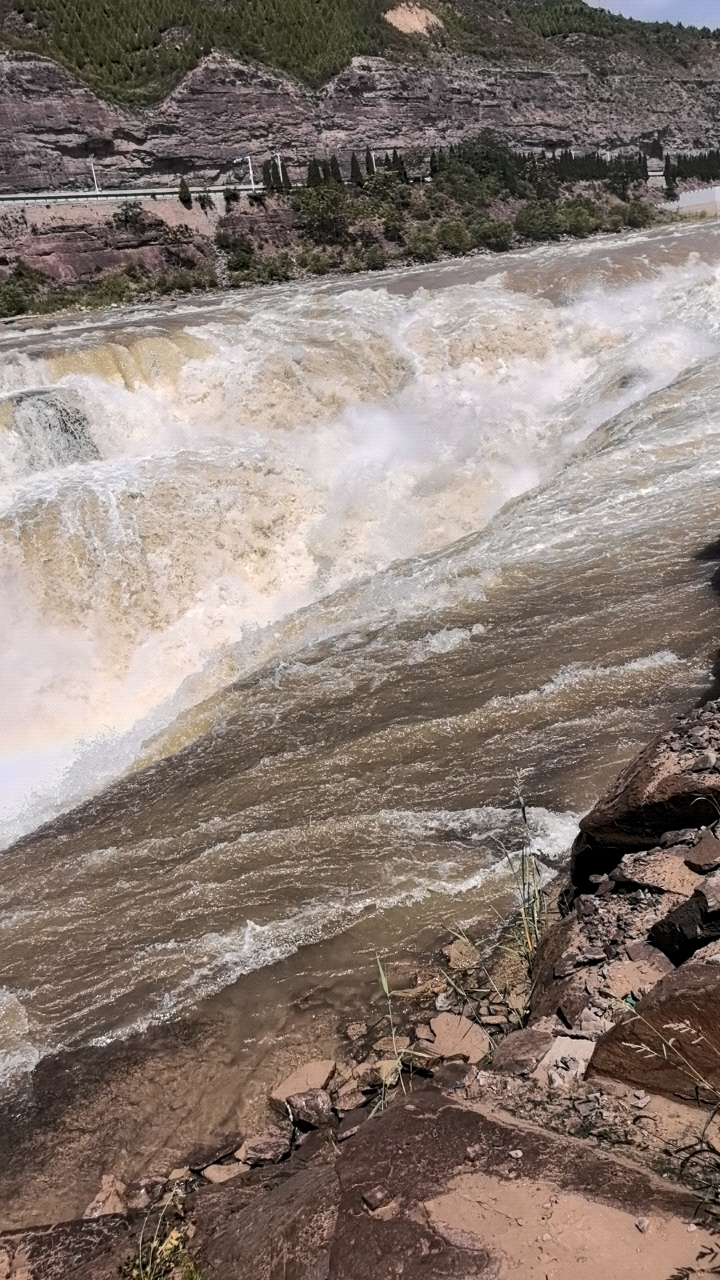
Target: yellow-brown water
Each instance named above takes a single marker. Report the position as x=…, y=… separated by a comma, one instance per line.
x=306, y=577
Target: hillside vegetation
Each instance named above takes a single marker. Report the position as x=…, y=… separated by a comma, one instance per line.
x=136, y=50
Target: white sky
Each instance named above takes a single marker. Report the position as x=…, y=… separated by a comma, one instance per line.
x=698, y=13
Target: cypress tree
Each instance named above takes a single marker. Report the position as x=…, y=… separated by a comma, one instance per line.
x=314, y=178
x=326, y=171
x=276, y=176
x=184, y=195
x=335, y=170
x=285, y=177
x=267, y=175
x=433, y=163
x=370, y=166
x=355, y=171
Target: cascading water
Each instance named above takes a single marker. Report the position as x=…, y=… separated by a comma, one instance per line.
x=359, y=555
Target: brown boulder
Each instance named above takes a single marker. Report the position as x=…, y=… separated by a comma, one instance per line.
x=692, y=924
x=314, y=1107
x=670, y=1043
x=519, y=1053
x=109, y=1199
x=267, y=1147
x=663, y=870
x=311, y=1075
x=671, y=784
x=457, y=1036
x=704, y=857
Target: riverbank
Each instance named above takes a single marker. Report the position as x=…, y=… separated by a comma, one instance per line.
x=564, y=1092
x=478, y=196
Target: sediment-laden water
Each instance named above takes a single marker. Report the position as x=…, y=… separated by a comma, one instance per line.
x=307, y=577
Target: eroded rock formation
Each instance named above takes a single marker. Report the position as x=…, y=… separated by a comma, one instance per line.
x=51, y=125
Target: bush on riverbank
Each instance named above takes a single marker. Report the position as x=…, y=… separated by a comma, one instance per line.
x=480, y=195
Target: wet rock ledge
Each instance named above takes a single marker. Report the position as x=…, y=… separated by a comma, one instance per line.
x=556, y=1124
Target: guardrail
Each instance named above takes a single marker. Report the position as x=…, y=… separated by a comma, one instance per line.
x=122, y=193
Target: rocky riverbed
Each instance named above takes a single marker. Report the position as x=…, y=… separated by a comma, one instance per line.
x=492, y=1122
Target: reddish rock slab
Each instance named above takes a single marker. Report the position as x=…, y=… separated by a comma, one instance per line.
x=663, y=870
x=314, y=1107
x=704, y=857
x=671, y=1043
x=411, y=1153
x=662, y=789
x=311, y=1075
x=519, y=1053
x=82, y=1250
x=267, y=1147
x=277, y=1226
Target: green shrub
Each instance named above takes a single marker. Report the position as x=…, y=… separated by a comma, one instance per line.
x=638, y=215
x=184, y=195
x=492, y=233
x=274, y=268
x=422, y=245
x=129, y=216
x=315, y=262
x=238, y=249
x=375, y=258
x=323, y=212
x=581, y=217
x=453, y=236
x=538, y=220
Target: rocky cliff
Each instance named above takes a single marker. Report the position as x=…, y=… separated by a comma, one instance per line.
x=51, y=124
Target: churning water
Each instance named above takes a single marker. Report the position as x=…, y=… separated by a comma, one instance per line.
x=308, y=576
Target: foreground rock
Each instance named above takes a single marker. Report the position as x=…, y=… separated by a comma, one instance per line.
x=669, y=1042
x=673, y=784
x=440, y=1189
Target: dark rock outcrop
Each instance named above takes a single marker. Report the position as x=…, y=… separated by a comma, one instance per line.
x=672, y=784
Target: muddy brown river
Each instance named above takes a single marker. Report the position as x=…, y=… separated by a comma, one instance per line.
x=296, y=585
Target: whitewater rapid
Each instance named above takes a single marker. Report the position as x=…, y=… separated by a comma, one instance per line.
x=401, y=539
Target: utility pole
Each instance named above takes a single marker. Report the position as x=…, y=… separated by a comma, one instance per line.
x=246, y=160
x=92, y=166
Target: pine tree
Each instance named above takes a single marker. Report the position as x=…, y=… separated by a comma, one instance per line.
x=335, y=170
x=355, y=171
x=184, y=195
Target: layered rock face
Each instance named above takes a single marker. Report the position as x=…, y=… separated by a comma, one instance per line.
x=634, y=965
x=51, y=125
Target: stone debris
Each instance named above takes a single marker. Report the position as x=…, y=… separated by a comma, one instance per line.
x=179, y=1174
x=663, y=869
x=217, y=1173
x=389, y=1072
x=311, y=1075
x=109, y=1199
x=388, y=1045
x=566, y=1059
x=520, y=1052
x=268, y=1147
x=314, y=1108
x=461, y=955
x=457, y=1036
x=704, y=857
x=356, y=1030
